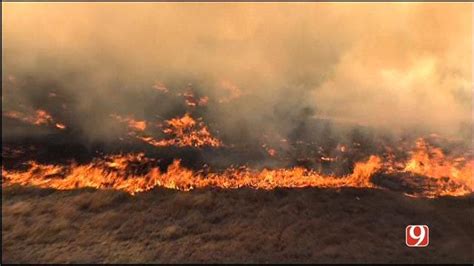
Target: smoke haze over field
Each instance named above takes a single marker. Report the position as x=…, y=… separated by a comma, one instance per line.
x=392, y=66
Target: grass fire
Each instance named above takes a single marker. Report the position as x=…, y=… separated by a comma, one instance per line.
x=250, y=133
x=445, y=176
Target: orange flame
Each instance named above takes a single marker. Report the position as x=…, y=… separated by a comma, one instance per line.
x=113, y=173
x=192, y=101
x=185, y=131
x=41, y=117
x=431, y=161
x=121, y=172
x=137, y=125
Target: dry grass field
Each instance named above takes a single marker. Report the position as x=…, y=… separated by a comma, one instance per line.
x=244, y=225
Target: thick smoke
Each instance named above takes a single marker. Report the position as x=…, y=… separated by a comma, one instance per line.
x=390, y=67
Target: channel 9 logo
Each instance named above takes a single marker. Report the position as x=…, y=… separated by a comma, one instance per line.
x=417, y=236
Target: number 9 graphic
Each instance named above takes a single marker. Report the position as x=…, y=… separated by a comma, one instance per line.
x=417, y=235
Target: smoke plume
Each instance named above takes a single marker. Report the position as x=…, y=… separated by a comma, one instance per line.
x=267, y=69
